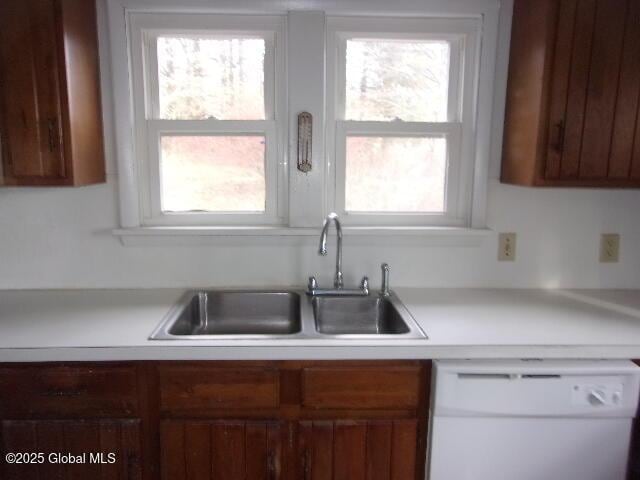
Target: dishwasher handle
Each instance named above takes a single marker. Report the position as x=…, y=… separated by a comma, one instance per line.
x=506, y=376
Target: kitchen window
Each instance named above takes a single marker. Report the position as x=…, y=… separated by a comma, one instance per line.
x=396, y=105
x=206, y=118
x=398, y=108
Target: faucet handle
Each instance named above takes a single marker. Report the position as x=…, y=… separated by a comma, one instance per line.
x=384, y=291
x=313, y=284
x=364, y=285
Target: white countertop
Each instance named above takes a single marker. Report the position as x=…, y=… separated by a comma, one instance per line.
x=57, y=325
x=625, y=301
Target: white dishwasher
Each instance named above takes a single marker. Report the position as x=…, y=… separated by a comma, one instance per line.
x=532, y=420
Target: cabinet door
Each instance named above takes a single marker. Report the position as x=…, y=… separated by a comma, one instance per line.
x=594, y=133
x=30, y=86
x=75, y=437
x=358, y=450
x=216, y=450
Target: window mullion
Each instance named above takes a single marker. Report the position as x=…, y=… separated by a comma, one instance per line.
x=270, y=78
x=152, y=100
x=215, y=127
x=398, y=128
x=306, y=88
x=454, y=91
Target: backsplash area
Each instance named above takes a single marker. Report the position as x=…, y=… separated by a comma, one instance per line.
x=558, y=245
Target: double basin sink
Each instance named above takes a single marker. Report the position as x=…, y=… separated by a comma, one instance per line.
x=207, y=315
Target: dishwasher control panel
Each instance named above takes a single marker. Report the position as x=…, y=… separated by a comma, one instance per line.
x=556, y=389
x=597, y=394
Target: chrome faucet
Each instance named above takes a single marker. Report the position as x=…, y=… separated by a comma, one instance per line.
x=332, y=217
x=338, y=283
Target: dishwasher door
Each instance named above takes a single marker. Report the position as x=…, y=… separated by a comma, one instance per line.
x=517, y=420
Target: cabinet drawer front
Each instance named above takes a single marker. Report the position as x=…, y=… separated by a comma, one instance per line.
x=189, y=389
x=361, y=388
x=68, y=390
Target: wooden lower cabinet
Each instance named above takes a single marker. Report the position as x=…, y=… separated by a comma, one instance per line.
x=358, y=450
x=224, y=449
x=49, y=445
x=261, y=450
x=269, y=420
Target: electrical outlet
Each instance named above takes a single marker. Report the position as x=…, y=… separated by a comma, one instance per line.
x=610, y=248
x=507, y=247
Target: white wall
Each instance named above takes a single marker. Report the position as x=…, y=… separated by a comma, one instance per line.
x=61, y=238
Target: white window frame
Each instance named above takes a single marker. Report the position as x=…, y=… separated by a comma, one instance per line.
x=302, y=89
x=459, y=129
x=143, y=32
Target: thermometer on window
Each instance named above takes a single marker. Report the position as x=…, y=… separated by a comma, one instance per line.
x=305, y=128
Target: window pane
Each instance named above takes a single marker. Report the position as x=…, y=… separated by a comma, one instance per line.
x=217, y=78
x=212, y=173
x=397, y=80
x=385, y=174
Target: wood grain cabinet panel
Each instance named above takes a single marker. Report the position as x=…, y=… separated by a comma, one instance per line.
x=359, y=450
x=76, y=437
x=361, y=388
x=50, y=103
x=228, y=449
x=573, y=97
x=27, y=117
x=201, y=388
x=68, y=390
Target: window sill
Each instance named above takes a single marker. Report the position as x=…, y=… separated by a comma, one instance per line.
x=254, y=235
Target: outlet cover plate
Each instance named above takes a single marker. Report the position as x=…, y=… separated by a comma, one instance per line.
x=610, y=248
x=507, y=247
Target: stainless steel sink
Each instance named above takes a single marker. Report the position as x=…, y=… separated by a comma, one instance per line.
x=357, y=315
x=363, y=316
x=254, y=314
x=232, y=313
x=329, y=313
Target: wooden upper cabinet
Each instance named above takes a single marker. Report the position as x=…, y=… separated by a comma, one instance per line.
x=572, y=113
x=50, y=105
